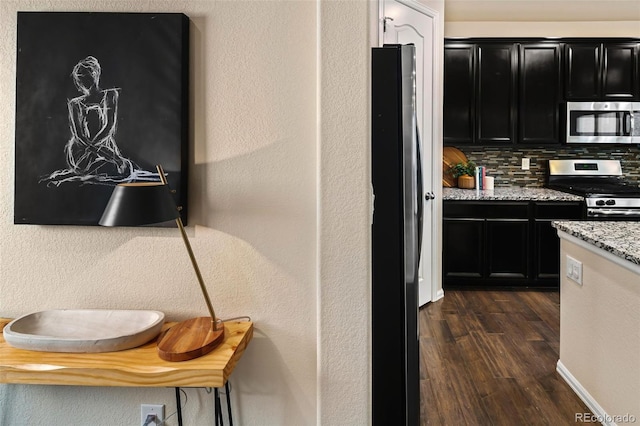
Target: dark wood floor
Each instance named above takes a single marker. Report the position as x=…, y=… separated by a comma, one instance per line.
x=489, y=358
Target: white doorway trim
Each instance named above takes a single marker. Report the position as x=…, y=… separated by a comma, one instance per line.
x=433, y=266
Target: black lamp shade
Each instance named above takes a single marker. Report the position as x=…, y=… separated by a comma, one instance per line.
x=135, y=204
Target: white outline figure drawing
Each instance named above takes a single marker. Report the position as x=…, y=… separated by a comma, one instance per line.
x=92, y=155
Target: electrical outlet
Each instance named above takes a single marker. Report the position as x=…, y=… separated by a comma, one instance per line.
x=155, y=411
x=574, y=269
x=526, y=162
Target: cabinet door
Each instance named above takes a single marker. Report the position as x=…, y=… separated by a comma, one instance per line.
x=619, y=75
x=496, y=106
x=459, y=98
x=547, y=246
x=546, y=256
x=539, y=94
x=507, y=249
x=582, y=71
x=462, y=247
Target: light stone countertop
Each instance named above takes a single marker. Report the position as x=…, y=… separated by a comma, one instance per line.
x=619, y=238
x=509, y=193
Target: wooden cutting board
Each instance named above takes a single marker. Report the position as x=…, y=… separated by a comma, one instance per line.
x=450, y=157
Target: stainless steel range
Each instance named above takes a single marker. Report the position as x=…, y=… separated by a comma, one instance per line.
x=607, y=194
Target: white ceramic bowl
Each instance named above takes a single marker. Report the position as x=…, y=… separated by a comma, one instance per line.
x=83, y=330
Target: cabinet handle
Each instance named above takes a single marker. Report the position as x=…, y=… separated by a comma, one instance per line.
x=429, y=196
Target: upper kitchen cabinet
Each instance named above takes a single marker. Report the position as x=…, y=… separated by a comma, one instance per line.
x=601, y=71
x=496, y=93
x=501, y=93
x=459, y=94
x=539, y=93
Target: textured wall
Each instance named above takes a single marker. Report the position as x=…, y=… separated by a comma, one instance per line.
x=345, y=327
x=253, y=224
x=542, y=18
x=599, y=339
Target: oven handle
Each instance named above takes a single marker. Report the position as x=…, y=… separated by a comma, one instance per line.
x=631, y=213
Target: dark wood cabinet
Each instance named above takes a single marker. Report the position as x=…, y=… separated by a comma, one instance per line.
x=547, y=251
x=503, y=243
x=485, y=242
x=495, y=94
x=507, y=249
x=501, y=93
x=619, y=71
x=582, y=77
x=539, y=94
x=601, y=71
x=459, y=94
x=463, y=241
x=546, y=244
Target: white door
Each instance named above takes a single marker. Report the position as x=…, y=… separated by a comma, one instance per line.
x=404, y=22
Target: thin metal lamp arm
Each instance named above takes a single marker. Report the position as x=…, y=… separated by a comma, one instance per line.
x=187, y=244
x=198, y=274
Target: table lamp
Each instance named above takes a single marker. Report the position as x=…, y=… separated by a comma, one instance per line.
x=144, y=203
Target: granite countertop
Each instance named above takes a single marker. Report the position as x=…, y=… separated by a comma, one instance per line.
x=509, y=193
x=619, y=238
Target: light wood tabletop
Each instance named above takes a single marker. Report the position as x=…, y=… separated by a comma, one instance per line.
x=138, y=367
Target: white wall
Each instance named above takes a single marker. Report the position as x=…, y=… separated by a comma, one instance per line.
x=279, y=221
x=542, y=18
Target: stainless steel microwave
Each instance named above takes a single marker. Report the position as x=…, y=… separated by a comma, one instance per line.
x=603, y=122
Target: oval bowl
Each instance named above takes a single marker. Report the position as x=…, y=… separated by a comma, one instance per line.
x=83, y=330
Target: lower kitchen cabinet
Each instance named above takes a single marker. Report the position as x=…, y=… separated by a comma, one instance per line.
x=503, y=243
x=463, y=244
x=547, y=249
x=507, y=243
x=546, y=242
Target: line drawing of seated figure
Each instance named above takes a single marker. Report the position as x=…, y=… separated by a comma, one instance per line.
x=92, y=155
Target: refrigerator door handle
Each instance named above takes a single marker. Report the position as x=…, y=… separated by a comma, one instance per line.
x=384, y=23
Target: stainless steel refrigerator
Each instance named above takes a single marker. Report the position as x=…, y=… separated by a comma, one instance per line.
x=396, y=237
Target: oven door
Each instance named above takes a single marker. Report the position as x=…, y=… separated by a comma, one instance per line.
x=603, y=122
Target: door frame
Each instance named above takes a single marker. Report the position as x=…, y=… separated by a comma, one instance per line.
x=435, y=168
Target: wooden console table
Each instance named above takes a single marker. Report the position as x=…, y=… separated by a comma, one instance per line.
x=137, y=367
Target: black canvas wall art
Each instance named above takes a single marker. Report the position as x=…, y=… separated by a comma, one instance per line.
x=101, y=98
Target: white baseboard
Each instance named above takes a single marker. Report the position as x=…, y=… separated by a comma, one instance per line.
x=582, y=393
x=439, y=295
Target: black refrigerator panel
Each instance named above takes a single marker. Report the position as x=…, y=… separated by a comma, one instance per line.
x=396, y=237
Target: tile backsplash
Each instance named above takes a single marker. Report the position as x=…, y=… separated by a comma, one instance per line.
x=504, y=163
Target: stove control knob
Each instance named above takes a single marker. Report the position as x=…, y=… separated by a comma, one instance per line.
x=611, y=202
x=599, y=202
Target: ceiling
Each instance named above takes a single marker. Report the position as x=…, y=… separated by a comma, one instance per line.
x=542, y=10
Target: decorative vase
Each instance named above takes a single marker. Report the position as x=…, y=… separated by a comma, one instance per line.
x=466, y=182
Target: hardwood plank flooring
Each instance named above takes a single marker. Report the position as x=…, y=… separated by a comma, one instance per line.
x=489, y=358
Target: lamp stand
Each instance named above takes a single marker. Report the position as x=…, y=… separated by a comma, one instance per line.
x=196, y=336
